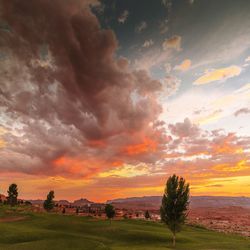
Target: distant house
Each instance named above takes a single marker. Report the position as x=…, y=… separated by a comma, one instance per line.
x=120, y=212
x=93, y=208
x=97, y=206
x=81, y=202
x=63, y=203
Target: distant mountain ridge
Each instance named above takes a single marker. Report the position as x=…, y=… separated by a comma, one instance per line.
x=153, y=202
x=80, y=202
x=141, y=199
x=195, y=201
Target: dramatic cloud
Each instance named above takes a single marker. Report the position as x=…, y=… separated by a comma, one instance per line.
x=89, y=99
x=207, y=159
x=172, y=43
x=218, y=75
x=71, y=108
x=207, y=154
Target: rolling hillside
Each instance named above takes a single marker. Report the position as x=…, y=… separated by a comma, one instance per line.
x=24, y=230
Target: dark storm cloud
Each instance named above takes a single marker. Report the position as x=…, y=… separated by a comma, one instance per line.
x=65, y=91
x=84, y=60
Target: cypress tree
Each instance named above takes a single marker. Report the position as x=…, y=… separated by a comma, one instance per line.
x=49, y=203
x=12, y=194
x=175, y=203
x=110, y=211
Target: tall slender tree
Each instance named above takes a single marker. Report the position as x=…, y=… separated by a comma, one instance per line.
x=110, y=212
x=49, y=202
x=175, y=203
x=12, y=194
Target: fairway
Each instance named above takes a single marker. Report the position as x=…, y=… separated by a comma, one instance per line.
x=41, y=231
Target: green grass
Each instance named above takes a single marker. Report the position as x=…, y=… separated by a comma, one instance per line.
x=54, y=232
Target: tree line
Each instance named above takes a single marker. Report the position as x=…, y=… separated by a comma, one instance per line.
x=173, y=208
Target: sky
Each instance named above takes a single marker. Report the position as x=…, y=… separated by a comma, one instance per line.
x=107, y=99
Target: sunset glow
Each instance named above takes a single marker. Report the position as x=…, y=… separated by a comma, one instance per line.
x=107, y=99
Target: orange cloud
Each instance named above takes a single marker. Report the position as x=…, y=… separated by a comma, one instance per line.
x=117, y=163
x=74, y=166
x=226, y=146
x=184, y=66
x=227, y=149
x=218, y=75
x=148, y=145
x=97, y=143
x=239, y=166
x=78, y=167
x=2, y=143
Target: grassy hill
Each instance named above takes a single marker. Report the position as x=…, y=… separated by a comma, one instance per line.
x=24, y=230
